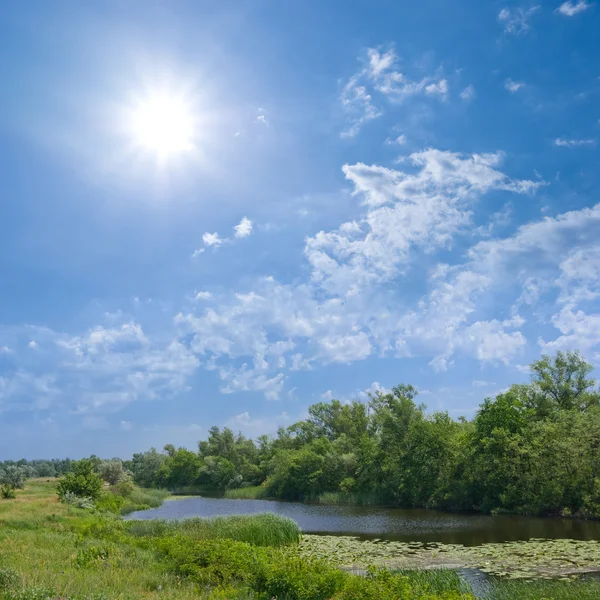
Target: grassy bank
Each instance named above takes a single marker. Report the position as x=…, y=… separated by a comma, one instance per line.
x=254, y=492
x=51, y=550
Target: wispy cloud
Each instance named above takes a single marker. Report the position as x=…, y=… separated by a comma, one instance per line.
x=513, y=86
x=468, y=93
x=261, y=117
x=516, y=21
x=399, y=140
x=570, y=9
x=566, y=143
x=380, y=75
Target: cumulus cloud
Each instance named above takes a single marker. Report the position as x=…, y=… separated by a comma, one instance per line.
x=405, y=210
x=203, y=296
x=516, y=21
x=570, y=9
x=243, y=228
x=212, y=239
x=513, y=86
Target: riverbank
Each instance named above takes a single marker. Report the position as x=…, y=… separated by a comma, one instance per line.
x=53, y=550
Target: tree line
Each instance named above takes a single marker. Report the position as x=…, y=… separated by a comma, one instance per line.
x=533, y=449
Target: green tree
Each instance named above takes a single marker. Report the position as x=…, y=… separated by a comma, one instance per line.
x=82, y=480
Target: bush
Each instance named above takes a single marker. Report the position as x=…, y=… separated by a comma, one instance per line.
x=77, y=501
x=8, y=491
x=81, y=481
x=110, y=502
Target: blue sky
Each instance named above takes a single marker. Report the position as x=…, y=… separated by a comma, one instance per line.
x=361, y=194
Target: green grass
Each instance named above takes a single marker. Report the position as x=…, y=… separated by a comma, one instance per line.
x=579, y=589
x=435, y=580
x=255, y=492
x=141, y=499
x=260, y=530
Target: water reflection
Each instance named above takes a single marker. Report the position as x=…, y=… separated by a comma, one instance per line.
x=385, y=523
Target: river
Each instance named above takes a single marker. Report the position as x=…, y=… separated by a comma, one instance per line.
x=418, y=525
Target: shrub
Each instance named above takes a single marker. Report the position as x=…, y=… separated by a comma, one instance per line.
x=77, y=501
x=8, y=491
x=301, y=579
x=110, y=502
x=81, y=481
x=113, y=471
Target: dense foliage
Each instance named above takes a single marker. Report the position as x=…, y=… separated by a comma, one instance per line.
x=533, y=449
x=81, y=481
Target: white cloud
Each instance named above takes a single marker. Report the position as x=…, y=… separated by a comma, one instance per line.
x=345, y=348
x=570, y=8
x=203, y=296
x=516, y=21
x=254, y=427
x=579, y=279
x=243, y=228
x=126, y=425
x=581, y=331
x=358, y=103
x=251, y=380
x=440, y=87
x=100, y=371
x=198, y=252
x=468, y=93
x=404, y=210
x=33, y=345
x=379, y=75
x=513, y=86
x=400, y=140
x=212, y=239
x=5, y=350
x=262, y=117
x=565, y=143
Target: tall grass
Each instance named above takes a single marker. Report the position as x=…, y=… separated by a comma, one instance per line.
x=579, y=589
x=346, y=498
x=259, y=530
x=142, y=499
x=255, y=492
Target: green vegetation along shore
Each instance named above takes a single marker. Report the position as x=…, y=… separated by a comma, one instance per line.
x=532, y=449
x=52, y=550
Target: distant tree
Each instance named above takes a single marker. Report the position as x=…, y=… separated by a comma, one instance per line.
x=12, y=477
x=82, y=480
x=145, y=467
x=112, y=471
x=180, y=468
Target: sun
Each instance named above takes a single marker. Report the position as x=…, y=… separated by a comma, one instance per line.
x=163, y=124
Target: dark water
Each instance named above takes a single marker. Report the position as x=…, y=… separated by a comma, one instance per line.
x=385, y=523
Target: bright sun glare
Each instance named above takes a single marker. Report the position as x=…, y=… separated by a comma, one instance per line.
x=163, y=124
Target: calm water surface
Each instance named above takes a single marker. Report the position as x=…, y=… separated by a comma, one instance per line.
x=384, y=523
